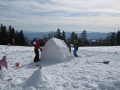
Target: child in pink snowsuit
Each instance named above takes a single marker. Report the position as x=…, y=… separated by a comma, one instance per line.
x=3, y=62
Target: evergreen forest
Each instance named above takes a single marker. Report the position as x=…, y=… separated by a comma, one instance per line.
x=7, y=34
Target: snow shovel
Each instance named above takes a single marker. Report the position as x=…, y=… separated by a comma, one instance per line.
x=104, y=62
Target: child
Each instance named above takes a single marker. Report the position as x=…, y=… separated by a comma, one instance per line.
x=3, y=62
x=75, y=48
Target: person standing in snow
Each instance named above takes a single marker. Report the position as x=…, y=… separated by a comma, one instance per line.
x=13, y=42
x=3, y=63
x=75, y=48
x=36, y=49
x=69, y=45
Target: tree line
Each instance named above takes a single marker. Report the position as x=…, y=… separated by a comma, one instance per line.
x=111, y=40
x=8, y=34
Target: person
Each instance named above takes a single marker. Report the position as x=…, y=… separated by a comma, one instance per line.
x=69, y=45
x=36, y=49
x=13, y=42
x=75, y=48
x=3, y=63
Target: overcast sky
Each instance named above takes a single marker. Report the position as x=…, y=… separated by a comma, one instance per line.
x=68, y=15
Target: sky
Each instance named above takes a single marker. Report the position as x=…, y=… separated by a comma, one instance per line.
x=68, y=15
x=60, y=69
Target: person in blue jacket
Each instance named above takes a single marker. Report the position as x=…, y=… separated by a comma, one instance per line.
x=75, y=48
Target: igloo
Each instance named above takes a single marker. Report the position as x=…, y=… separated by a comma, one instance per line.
x=55, y=50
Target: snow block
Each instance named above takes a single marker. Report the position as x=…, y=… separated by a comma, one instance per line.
x=55, y=50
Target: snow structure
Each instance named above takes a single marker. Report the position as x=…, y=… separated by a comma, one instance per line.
x=55, y=50
x=38, y=78
x=4, y=74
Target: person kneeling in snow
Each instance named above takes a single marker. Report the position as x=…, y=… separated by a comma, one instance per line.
x=3, y=62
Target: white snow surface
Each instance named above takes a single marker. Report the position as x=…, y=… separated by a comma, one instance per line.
x=75, y=73
x=55, y=50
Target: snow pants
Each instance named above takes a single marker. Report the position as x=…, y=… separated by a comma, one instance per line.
x=36, y=55
x=75, y=52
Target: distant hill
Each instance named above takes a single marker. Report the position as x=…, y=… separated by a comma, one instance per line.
x=32, y=35
x=90, y=35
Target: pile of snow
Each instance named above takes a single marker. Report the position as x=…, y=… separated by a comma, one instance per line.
x=55, y=50
x=38, y=79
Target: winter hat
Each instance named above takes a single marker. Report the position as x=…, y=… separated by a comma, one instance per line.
x=4, y=57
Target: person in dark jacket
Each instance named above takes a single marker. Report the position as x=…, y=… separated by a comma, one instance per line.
x=36, y=49
x=75, y=48
x=69, y=45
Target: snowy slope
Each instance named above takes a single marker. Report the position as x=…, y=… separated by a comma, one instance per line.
x=81, y=73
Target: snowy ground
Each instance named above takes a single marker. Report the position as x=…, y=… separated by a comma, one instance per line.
x=81, y=73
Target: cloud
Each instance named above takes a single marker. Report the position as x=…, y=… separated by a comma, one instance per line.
x=71, y=15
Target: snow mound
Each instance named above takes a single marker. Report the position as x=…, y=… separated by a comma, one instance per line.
x=37, y=79
x=55, y=50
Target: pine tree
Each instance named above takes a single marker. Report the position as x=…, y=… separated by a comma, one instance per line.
x=73, y=37
x=21, y=38
x=80, y=42
x=63, y=37
x=83, y=38
x=11, y=33
x=4, y=35
x=58, y=34
x=112, y=39
x=107, y=41
x=100, y=42
x=118, y=38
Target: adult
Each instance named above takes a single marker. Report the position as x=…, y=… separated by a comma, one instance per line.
x=75, y=48
x=69, y=45
x=36, y=49
x=13, y=42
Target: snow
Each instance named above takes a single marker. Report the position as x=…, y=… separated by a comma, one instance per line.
x=55, y=50
x=60, y=69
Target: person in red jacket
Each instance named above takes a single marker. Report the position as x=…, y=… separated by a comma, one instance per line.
x=36, y=49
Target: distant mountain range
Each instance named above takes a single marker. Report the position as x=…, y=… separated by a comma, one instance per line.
x=90, y=35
